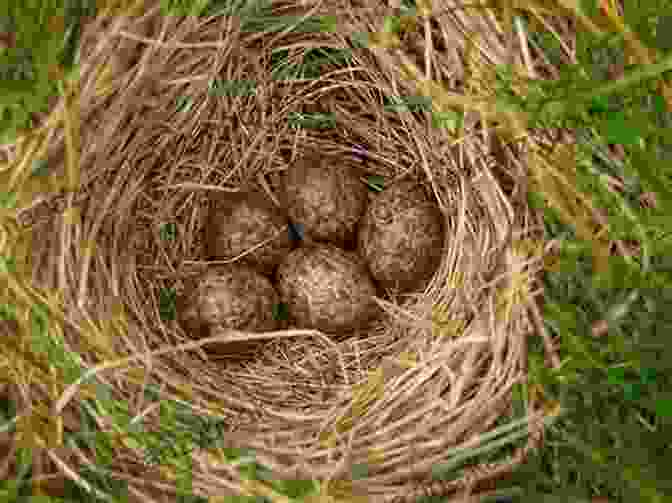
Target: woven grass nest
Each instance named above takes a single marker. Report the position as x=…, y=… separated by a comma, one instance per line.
x=431, y=377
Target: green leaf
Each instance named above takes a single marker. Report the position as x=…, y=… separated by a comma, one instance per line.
x=8, y=200
x=647, y=375
x=232, y=88
x=663, y=40
x=24, y=462
x=9, y=490
x=280, y=311
x=168, y=231
x=419, y=103
x=618, y=129
x=632, y=391
x=152, y=393
x=392, y=24
x=167, y=304
x=599, y=104
x=375, y=182
x=664, y=407
x=40, y=168
x=328, y=24
x=103, y=391
x=323, y=55
x=40, y=499
x=313, y=120
x=309, y=70
x=448, y=119
x=360, y=40
x=296, y=489
x=7, y=266
x=236, y=453
x=238, y=8
x=616, y=375
x=275, y=24
x=658, y=101
x=360, y=471
x=408, y=103
x=184, y=103
x=7, y=413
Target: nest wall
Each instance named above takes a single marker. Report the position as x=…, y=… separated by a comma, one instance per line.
x=432, y=376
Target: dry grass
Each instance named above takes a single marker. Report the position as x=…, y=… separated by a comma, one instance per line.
x=403, y=397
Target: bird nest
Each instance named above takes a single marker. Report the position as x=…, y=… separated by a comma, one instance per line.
x=168, y=110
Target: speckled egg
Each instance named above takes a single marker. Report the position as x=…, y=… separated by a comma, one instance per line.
x=248, y=224
x=327, y=288
x=326, y=197
x=401, y=237
x=232, y=296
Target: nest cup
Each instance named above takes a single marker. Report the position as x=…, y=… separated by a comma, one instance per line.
x=432, y=376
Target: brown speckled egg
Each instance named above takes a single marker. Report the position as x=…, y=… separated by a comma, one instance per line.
x=239, y=222
x=326, y=197
x=231, y=296
x=327, y=288
x=401, y=237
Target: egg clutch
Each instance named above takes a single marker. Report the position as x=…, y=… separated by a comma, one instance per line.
x=350, y=250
